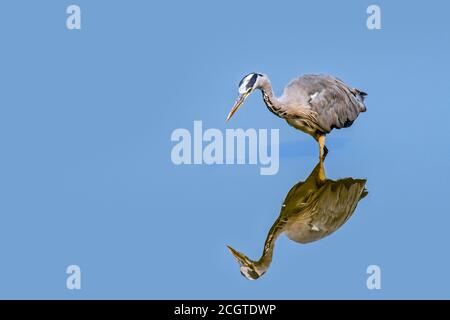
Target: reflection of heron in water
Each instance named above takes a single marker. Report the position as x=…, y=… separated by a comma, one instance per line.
x=312, y=210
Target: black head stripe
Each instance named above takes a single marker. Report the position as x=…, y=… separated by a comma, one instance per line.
x=252, y=80
x=253, y=274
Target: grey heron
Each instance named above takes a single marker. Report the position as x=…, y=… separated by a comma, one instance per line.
x=312, y=210
x=314, y=104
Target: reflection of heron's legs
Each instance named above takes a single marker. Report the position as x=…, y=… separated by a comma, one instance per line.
x=322, y=147
x=322, y=176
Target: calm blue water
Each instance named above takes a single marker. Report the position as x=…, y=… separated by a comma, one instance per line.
x=86, y=176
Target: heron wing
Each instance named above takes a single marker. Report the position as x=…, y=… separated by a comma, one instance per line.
x=328, y=209
x=330, y=100
x=337, y=202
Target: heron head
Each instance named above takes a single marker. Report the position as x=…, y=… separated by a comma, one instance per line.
x=249, y=268
x=249, y=83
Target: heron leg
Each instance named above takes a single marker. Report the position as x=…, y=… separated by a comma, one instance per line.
x=322, y=147
x=322, y=176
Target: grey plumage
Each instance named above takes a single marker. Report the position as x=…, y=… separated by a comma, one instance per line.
x=314, y=104
x=333, y=103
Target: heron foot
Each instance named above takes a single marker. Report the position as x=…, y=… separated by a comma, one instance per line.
x=325, y=152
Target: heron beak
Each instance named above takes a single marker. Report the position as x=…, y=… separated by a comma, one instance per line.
x=239, y=256
x=237, y=104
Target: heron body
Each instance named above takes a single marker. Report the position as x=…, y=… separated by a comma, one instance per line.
x=312, y=210
x=314, y=104
x=317, y=207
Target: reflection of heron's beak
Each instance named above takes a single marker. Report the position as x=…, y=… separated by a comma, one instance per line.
x=239, y=256
x=237, y=104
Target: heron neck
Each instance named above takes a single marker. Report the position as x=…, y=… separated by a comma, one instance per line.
x=272, y=102
x=269, y=245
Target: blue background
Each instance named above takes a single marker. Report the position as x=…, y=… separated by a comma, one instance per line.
x=86, y=176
